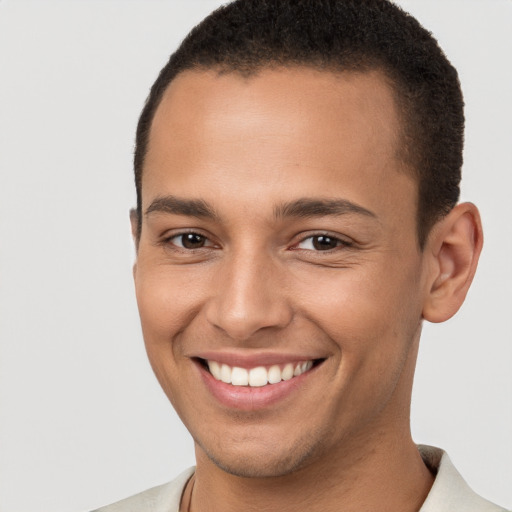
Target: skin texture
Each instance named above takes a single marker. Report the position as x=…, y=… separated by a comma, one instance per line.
x=247, y=147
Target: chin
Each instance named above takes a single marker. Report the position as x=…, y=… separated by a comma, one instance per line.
x=263, y=462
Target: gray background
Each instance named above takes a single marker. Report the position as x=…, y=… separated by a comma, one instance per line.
x=82, y=419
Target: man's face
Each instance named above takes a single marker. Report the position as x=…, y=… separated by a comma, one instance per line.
x=279, y=231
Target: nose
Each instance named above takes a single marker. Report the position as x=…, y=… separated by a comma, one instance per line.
x=249, y=297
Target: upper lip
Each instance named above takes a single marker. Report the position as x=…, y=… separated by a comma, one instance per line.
x=251, y=360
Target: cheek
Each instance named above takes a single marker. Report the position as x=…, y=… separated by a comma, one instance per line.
x=369, y=311
x=167, y=306
x=161, y=310
x=372, y=323
x=167, y=301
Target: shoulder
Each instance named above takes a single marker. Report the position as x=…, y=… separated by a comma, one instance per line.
x=163, y=498
x=450, y=492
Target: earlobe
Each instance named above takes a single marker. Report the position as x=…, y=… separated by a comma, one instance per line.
x=454, y=247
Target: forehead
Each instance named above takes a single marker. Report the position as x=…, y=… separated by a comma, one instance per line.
x=312, y=129
x=290, y=99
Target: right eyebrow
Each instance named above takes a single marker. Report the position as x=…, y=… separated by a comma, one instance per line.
x=319, y=207
x=177, y=206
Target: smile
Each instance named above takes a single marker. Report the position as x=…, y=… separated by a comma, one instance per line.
x=251, y=382
x=258, y=376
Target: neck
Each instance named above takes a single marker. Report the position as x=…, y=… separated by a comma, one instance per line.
x=387, y=476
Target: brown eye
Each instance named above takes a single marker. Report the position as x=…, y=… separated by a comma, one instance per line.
x=189, y=241
x=324, y=243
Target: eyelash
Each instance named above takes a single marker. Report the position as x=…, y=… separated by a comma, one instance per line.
x=340, y=243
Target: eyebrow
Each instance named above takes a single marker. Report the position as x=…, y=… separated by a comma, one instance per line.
x=307, y=207
x=177, y=206
x=302, y=208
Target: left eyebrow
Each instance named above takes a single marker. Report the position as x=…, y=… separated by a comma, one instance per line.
x=178, y=206
x=311, y=207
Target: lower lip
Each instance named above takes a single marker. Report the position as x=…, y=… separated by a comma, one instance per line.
x=247, y=398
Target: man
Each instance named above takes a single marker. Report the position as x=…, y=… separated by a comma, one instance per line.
x=297, y=169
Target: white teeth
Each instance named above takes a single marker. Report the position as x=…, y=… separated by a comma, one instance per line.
x=225, y=374
x=214, y=368
x=239, y=376
x=287, y=372
x=258, y=376
x=274, y=374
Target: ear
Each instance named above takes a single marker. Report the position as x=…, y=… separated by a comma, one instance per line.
x=134, y=222
x=453, y=246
